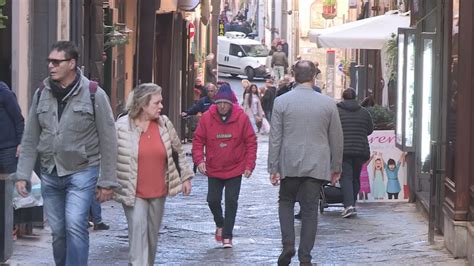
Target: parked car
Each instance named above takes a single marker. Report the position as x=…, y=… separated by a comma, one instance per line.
x=238, y=55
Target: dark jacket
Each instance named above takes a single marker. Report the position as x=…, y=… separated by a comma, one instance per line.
x=356, y=125
x=11, y=119
x=268, y=99
x=200, y=106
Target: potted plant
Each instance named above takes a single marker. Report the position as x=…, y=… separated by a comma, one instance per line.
x=3, y=18
x=115, y=35
x=329, y=9
x=382, y=117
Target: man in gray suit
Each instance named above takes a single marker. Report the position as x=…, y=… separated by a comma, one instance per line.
x=305, y=150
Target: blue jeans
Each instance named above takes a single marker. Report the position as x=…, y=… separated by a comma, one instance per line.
x=96, y=211
x=67, y=200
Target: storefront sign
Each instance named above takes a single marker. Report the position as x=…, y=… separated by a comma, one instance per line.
x=376, y=180
x=221, y=28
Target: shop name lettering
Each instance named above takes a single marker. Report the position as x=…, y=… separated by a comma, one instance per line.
x=381, y=139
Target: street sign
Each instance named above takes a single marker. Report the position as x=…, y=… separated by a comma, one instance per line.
x=191, y=30
x=221, y=28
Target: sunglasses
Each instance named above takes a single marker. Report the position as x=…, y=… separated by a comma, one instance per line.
x=57, y=62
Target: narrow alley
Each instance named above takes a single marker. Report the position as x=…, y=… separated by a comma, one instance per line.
x=382, y=233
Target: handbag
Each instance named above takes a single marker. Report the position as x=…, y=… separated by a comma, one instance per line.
x=174, y=154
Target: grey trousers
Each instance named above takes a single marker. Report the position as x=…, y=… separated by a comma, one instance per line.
x=144, y=221
x=306, y=190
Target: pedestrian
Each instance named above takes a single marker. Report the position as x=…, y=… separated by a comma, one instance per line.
x=10, y=137
x=96, y=216
x=246, y=86
x=318, y=80
x=224, y=148
x=305, y=150
x=204, y=103
x=253, y=107
x=147, y=170
x=268, y=98
x=210, y=71
x=279, y=62
x=13, y=125
x=199, y=90
x=284, y=86
x=356, y=125
x=198, y=108
x=71, y=128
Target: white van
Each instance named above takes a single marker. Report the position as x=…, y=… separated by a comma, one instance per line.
x=237, y=55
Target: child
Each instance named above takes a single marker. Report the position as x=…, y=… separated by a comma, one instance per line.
x=393, y=184
x=378, y=185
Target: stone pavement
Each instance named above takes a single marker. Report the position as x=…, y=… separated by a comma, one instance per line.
x=382, y=233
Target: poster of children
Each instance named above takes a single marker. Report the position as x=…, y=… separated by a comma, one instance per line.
x=384, y=175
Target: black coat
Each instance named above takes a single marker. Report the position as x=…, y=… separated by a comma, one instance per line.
x=356, y=125
x=10, y=118
x=268, y=99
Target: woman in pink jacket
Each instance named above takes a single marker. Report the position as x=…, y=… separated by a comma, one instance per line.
x=230, y=145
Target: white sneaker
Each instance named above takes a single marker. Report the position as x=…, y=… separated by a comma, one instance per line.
x=348, y=212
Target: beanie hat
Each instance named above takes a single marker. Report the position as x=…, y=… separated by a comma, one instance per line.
x=225, y=94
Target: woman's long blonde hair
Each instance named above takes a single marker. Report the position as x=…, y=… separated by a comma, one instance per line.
x=140, y=97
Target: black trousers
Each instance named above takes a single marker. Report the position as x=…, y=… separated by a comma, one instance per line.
x=214, y=199
x=306, y=190
x=350, y=179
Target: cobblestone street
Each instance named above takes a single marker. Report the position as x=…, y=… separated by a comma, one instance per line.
x=382, y=233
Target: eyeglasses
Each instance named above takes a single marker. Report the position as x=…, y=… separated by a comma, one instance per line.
x=56, y=62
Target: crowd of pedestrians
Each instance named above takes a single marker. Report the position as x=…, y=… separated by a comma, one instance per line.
x=86, y=156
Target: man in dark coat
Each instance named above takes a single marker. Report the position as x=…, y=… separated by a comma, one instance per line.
x=12, y=130
x=268, y=99
x=356, y=125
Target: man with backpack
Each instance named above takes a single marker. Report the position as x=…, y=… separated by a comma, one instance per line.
x=71, y=128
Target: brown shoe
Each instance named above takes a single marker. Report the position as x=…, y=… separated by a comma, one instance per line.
x=306, y=264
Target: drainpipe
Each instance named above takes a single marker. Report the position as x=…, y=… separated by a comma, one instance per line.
x=216, y=7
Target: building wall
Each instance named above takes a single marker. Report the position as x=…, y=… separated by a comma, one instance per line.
x=21, y=52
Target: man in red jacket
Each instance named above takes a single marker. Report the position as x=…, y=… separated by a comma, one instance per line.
x=230, y=145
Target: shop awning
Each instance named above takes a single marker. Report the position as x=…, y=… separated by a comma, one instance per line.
x=369, y=33
x=174, y=5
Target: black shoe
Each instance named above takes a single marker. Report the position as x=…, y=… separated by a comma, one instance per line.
x=101, y=226
x=298, y=216
x=285, y=256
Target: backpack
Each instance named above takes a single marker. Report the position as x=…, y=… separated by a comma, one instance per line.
x=92, y=90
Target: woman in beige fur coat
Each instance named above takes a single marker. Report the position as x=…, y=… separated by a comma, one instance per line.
x=146, y=170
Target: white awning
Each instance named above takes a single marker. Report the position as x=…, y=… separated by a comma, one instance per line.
x=369, y=33
x=174, y=5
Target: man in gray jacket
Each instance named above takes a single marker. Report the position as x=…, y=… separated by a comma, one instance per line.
x=72, y=130
x=305, y=149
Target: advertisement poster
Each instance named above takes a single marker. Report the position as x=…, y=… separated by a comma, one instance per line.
x=384, y=176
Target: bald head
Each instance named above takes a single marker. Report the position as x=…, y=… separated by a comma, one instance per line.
x=304, y=71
